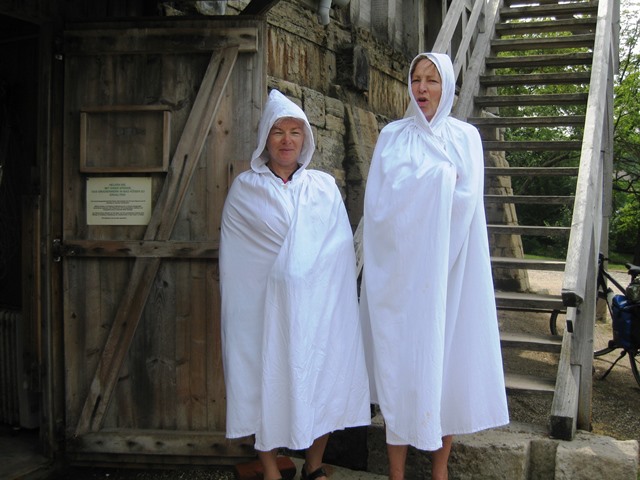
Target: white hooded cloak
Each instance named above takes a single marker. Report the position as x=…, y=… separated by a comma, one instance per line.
x=427, y=304
x=292, y=344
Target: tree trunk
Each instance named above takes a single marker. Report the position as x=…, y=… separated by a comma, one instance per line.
x=636, y=250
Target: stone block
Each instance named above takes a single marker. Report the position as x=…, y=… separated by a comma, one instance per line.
x=593, y=456
x=291, y=90
x=331, y=147
x=361, y=136
x=490, y=454
x=542, y=461
x=313, y=105
x=518, y=452
x=334, y=107
x=335, y=124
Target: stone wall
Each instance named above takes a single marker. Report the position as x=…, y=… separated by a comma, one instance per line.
x=350, y=85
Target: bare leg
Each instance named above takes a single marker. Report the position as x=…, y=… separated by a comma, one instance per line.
x=270, y=464
x=440, y=459
x=313, y=457
x=397, y=458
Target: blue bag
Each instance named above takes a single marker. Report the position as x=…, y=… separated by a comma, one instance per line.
x=626, y=322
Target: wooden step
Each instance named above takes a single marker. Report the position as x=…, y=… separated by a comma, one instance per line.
x=537, y=146
x=573, y=25
x=560, y=78
x=515, y=382
x=522, y=44
x=529, y=3
x=521, y=122
x=555, y=11
x=524, y=3
x=531, y=171
x=536, y=61
x=532, y=342
x=529, y=301
x=531, y=100
x=528, y=263
x=532, y=230
x=530, y=199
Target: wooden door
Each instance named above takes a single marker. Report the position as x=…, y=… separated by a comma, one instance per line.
x=159, y=117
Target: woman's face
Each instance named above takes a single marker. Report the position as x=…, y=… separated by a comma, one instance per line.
x=426, y=86
x=284, y=143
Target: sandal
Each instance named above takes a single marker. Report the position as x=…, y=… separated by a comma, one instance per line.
x=320, y=472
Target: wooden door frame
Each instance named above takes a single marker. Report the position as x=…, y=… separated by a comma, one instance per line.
x=49, y=158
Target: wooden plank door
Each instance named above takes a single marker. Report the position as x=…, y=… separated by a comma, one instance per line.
x=158, y=119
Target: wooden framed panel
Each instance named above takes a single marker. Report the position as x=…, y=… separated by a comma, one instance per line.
x=125, y=139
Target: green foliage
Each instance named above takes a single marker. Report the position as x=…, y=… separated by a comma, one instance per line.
x=625, y=222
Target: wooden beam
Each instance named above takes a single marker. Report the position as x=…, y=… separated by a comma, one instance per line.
x=564, y=408
x=259, y=7
x=140, y=248
x=159, y=39
x=590, y=174
x=163, y=442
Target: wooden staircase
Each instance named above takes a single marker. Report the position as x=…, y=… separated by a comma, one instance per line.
x=536, y=44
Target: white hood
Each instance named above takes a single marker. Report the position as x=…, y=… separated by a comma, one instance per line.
x=445, y=68
x=278, y=106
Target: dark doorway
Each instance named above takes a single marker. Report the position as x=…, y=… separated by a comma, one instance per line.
x=18, y=104
x=19, y=192
x=18, y=188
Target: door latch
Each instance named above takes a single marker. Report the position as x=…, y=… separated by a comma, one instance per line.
x=56, y=250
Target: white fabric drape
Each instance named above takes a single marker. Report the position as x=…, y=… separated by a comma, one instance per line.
x=292, y=344
x=427, y=303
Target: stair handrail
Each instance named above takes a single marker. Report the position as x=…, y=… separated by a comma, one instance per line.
x=571, y=407
x=468, y=58
x=591, y=157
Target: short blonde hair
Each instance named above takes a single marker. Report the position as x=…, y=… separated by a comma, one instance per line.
x=279, y=120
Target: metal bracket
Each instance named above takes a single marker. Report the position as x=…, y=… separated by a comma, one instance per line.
x=56, y=250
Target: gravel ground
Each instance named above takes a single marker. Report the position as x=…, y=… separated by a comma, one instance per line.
x=615, y=399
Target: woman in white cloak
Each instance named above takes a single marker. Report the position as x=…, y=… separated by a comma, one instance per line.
x=291, y=339
x=427, y=303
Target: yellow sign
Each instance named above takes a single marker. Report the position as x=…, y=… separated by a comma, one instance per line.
x=118, y=200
